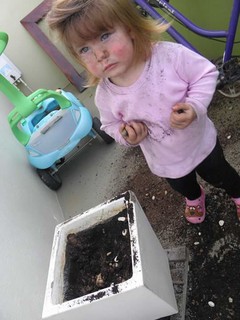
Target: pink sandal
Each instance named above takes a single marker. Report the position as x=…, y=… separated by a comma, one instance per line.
x=237, y=203
x=195, y=209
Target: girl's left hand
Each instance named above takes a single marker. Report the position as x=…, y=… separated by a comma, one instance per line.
x=182, y=115
x=134, y=132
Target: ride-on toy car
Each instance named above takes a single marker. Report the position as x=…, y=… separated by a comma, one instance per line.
x=50, y=124
x=54, y=134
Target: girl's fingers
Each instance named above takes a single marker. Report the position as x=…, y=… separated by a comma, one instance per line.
x=139, y=127
x=131, y=132
x=134, y=132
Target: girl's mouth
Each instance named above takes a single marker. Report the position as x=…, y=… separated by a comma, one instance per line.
x=109, y=66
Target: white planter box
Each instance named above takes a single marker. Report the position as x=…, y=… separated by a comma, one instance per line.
x=147, y=295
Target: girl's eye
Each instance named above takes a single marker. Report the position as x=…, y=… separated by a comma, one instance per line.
x=105, y=36
x=84, y=50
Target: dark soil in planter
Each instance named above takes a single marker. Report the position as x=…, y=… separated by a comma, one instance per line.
x=98, y=257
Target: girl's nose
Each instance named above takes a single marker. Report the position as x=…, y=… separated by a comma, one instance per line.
x=100, y=54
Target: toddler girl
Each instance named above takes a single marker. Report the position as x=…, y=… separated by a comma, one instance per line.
x=150, y=93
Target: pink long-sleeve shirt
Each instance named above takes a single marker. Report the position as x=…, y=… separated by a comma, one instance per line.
x=173, y=74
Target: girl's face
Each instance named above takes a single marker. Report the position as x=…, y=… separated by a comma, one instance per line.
x=110, y=55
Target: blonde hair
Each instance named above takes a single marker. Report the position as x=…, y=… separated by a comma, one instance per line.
x=87, y=19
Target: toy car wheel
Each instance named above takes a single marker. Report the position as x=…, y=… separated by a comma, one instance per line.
x=51, y=180
x=96, y=127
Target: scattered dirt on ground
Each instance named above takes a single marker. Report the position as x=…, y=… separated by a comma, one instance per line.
x=214, y=273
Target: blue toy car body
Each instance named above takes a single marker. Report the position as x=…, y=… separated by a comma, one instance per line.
x=55, y=132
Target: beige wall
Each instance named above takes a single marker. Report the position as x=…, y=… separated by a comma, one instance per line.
x=29, y=212
x=37, y=68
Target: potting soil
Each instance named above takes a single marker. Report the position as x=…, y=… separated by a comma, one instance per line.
x=98, y=257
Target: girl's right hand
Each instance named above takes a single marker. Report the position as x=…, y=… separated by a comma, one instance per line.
x=134, y=132
x=182, y=116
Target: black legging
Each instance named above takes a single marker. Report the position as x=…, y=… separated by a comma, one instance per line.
x=215, y=170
